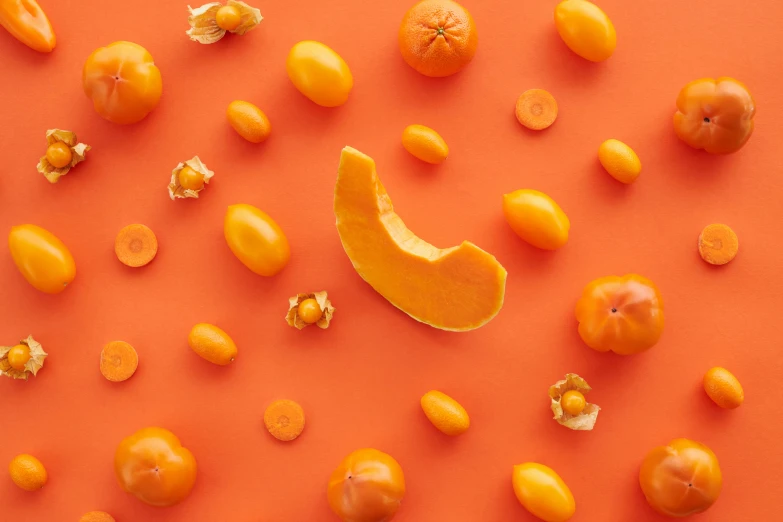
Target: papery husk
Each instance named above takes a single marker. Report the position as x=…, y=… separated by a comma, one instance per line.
x=178, y=191
x=37, y=356
x=78, y=150
x=586, y=420
x=293, y=319
x=203, y=21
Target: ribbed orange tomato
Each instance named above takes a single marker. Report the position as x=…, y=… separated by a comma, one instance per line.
x=122, y=81
x=153, y=466
x=620, y=314
x=681, y=479
x=715, y=115
x=367, y=486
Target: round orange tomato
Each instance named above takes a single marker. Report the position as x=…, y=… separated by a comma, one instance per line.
x=681, y=479
x=367, y=486
x=153, y=466
x=715, y=115
x=256, y=239
x=122, y=81
x=620, y=314
x=319, y=73
x=44, y=261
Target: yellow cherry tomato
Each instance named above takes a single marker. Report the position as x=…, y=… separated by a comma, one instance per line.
x=585, y=29
x=573, y=402
x=256, y=239
x=59, y=155
x=42, y=258
x=319, y=73
x=542, y=492
x=536, y=218
x=18, y=357
x=310, y=311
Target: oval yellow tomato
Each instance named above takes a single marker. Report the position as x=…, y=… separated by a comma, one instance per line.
x=319, y=73
x=44, y=261
x=585, y=29
x=153, y=466
x=536, y=218
x=256, y=239
x=122, y=81
x=542, y=492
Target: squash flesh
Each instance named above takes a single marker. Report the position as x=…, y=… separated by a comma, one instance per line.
x=458, y=288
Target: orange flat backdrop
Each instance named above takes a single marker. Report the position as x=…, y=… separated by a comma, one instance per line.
x=361, y=380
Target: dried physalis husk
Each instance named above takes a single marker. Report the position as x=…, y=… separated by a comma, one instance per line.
x=204, y=26
x=35, y=363
x=78, y=151
x=587, y=418
x=176, y=190
x=294, y=319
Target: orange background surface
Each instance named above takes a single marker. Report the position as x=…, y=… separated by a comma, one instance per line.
x=361, y=380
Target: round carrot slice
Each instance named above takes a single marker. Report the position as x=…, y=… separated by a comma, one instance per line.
x=718, y=244
x=136, y=245
x=284, y=420
x=119, y=361
x=536, y=109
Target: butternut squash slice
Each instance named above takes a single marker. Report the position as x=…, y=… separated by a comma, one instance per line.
x=459, y=288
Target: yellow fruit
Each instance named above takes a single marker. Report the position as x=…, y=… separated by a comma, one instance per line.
x=620, y=161
x=212, y=343
x=445, y=413
x=97, y=516
x=425, y=144
x=249, y=121
x=723, y=388
x=542, y=492
x=27, y=472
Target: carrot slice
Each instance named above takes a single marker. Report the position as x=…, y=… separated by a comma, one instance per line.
x=536, y=109
x=284, y=420
x=718, y=244
x=119, y=361
x=136, y=245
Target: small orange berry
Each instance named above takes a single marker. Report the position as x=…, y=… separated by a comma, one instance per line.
x=446, y=414
x=723, y=388
x=190, y=179
x=59, y=155
x=310, y=311
x=228, y=17
x=248, y=121
x=18, y=357
x=573, y=402
x=27, y=472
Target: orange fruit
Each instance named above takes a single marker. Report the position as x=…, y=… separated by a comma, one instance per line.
x=97, y=516
x=27, y=472
x=438, y=37
x=620, y=161
x=425, y=144
x=212, y=343
x=723, y=388
x=446, y=414
x=248, y=121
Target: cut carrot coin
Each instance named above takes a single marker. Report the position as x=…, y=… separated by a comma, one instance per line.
x=97, y=516
x=284, y=420
x=136, y=245
x=536, y=109
x=718, y=244
x=119, y=361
